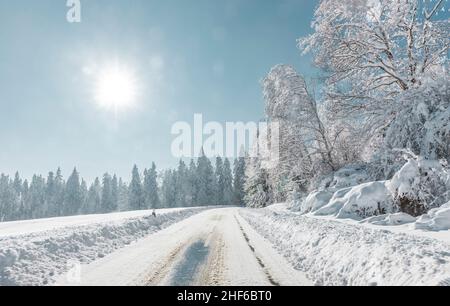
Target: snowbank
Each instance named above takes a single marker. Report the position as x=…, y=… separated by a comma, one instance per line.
x=437, y=219
x=359, y=202
x=36, y=257
x=335, y=253
x=314, y=201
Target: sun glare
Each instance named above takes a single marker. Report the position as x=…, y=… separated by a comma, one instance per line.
x=116, y=88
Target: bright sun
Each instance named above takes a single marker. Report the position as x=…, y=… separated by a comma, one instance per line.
x=116, y=88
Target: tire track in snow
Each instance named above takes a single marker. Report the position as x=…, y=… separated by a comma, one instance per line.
x=165, y=268
x=258, y=259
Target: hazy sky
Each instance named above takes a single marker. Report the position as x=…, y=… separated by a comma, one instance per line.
x=188, y=56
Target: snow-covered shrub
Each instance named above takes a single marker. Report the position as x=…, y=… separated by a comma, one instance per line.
x=420, y=185
x=359, y=202
x=367, y=200
x=257, y=190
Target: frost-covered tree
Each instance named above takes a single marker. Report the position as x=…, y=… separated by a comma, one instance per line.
x=59, y=191
x=206, y=181
x=7, y=199
x=51, y=195
x=192, y=192
x=423, y=123
x=136, y=199
x=257, y=188
x=226, y=183
x=239, y=178
x=168, y=189
x=107, y=196
x=375, y=49
x=182, y=185
x=123, y=196
x=94, y=198
x=306, y=145
x=73, y=197
x=220, y=193
x=114, y=193
x=151, y=189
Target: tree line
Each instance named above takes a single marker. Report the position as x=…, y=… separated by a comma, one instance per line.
x=199, y=184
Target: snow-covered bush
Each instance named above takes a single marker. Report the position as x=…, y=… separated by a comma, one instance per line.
x=420, y=185
x=257, y=190
x=359, y=202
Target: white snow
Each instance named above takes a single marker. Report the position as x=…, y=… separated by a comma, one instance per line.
x=34, y=252
x=315, y=200
x=358, y=202
x=391, y=219
x=214, y=247
x=437, y=219
x=343, y=252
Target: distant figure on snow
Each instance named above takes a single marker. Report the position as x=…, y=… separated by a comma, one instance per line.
x=154, y=213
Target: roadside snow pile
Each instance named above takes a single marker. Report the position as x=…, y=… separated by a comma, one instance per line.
x=36, y=258
x=359, y=202
x=437, y=219
x=391, y=219
x=314, y=201
x=418, y=187
x=336, y=253
x=421, y=185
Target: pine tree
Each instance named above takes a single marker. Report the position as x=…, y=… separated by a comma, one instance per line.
x=8, y=199
x=192, y=192
x=73, y=197
x=206, y=181
x=220, y=182
x=136, y=194
x=93, y=202
x=168, y=189
x=114, y=194
x=227, y=183
x=37, y=197
x=59, y=193
x=239, y=181
x=84, y=195
x=51, y=196
x=257, y=188
x=24, y=205
x=182, y=185
x=17, y=184
x=107, y=197
x=151, y=189
x=123, y=204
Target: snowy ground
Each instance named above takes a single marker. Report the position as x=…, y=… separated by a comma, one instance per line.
x=35, y=252
x=215, y=247
x=219, y=246
x=344, y=252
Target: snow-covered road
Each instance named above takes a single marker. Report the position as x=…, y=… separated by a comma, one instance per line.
x=214, y=247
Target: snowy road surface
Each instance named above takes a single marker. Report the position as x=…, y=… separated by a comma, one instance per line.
x=214, y=247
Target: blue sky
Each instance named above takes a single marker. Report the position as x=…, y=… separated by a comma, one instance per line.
x=188, y=56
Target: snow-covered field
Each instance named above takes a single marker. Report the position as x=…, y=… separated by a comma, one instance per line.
x=345, y=252
x=34, y=252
